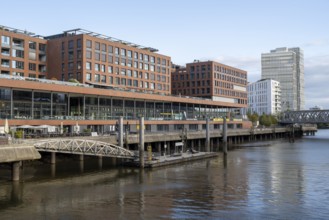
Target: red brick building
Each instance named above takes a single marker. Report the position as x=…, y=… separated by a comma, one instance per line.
x=211, y=80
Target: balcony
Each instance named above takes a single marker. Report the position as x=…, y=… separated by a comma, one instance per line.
x=5, y=63
x=5, y=52
x=18, y=43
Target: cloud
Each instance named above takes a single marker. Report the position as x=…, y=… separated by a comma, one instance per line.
x=316, y=81
x=316, y=43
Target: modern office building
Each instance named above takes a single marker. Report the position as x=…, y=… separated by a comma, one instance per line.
x=22, y=53
x=286, y=65
x=264, y=96
x=104, y=61
x=211, y=80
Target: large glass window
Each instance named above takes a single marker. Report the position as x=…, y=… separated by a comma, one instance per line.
x=5, y=40
x=5, y=97
x=22, y=104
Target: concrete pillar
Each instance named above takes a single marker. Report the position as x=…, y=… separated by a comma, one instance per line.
x=224, y=136
x=192, y=144
x=199, y=144
x=81, y=165
x=159, y=147
x=207, y=136
x=141, y=142
x=53, y=170
x=100, y=162
x=120, y=136
x=15, y=171
x=81, y=157
x=53, y=158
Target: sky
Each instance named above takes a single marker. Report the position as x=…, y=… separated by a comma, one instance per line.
x=232, y=32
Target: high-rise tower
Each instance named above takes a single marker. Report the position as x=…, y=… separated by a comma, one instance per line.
x=286, y=65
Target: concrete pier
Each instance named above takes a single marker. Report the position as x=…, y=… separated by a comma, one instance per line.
x=120, y=132
x=53, y=158
x=16, y=170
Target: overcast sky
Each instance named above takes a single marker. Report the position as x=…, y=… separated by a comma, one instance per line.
x=233, y=32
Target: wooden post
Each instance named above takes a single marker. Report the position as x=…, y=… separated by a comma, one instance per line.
x=224, y=136
x=141, y=142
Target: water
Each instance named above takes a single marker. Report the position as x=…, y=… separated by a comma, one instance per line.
x=276, y=181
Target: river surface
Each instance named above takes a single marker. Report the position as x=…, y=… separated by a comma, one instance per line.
x=278, y=180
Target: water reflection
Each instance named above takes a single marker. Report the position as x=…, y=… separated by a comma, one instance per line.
x=279, y=181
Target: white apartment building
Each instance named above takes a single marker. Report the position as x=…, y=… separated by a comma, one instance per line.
x=264, y=96
x=286, y=65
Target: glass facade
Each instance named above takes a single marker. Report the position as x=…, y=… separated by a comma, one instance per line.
x=286, y=65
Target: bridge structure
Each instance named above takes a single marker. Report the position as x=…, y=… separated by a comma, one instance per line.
x=83, y=147
x=305, y=117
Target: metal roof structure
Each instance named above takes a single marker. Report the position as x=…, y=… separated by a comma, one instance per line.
x=104, y=37
x=15, y=30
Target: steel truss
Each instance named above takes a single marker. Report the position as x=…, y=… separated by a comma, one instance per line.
x=84, y=147
x=307, y=116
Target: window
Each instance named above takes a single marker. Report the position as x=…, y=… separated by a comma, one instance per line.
x=110, y=49
x=103, y=47
x=18, y=53
x=135, y=74
x=88, y=65
x=103, y=57
x=97, y=46
x=123, y=52
x=103, y=68
x=32, y=45
x=63, y=67
x=32, y=66
x=103, y=79
x=146, y=76
x=117, y=51
x=140, y=65
x=88, y=44
x=97, y=67
x=164, y=62
x=136, y=83
x=5, y=40
x=79, y=43
x=17, y=64
x=130, y=54
x=146, y=58
x=71, y=66
x=141, y=56
x=123, y=62
x=135, y=55
x=129, y=63
x=110, y=59
x=97, y=57
x=70, y=45
x=146, y=66
x=111, y=80
x=123, y=81
x=152, y=68
x=79, y=54
x=129, y=73
x=97, y=78
x=117, y=60
x=42, y=47
x=79, y=65
x=152, y=59
x=88, y=76
x=123, y=71
x=135, y=64
x=88, y=54
x=110, y=69
x=71, y=55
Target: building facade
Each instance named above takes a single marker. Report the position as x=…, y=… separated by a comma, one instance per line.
x=211, y=80
x=264, y=97
x=22, y=53
x=286, y=65
x=104, y=61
